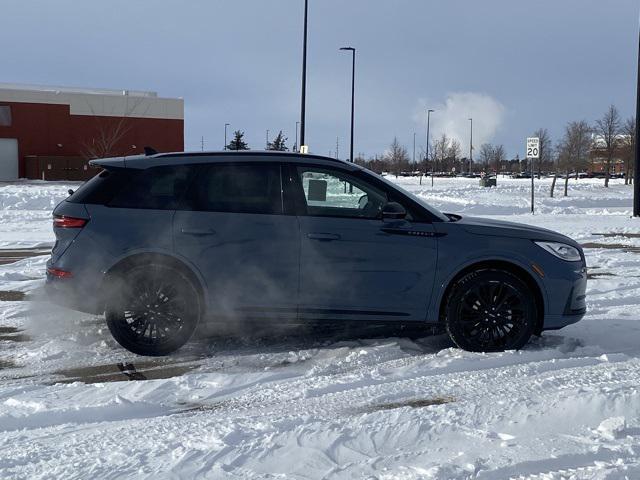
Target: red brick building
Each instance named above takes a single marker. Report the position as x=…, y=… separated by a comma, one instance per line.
x=52, y=132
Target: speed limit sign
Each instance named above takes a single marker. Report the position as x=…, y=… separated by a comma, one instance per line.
x=533, y=147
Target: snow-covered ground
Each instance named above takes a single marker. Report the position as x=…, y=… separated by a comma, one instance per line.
x=316, y=406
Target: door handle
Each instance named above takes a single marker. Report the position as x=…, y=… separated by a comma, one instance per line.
x=323, y=237
x=198, y=232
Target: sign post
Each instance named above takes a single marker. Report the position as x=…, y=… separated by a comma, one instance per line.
x=533, y=153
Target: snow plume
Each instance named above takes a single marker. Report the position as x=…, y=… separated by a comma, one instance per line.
x=452, y=118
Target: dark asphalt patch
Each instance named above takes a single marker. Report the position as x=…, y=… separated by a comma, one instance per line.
x=415, y=403
x=11, y=296
x=618, y=234
x=123, y=372
x=11, y=256
x=612, y=246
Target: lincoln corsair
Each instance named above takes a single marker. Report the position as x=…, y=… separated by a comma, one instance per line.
x=163, y=242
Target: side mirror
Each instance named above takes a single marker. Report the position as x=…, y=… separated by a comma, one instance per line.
x=393, y=211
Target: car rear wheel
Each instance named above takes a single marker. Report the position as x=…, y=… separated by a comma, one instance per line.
x=152, y=309
x=490, y=311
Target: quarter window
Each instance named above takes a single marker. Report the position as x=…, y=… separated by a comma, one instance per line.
x=158, y=188
x=338, y=194
x=236, y=188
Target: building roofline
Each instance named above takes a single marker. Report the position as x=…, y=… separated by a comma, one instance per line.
x=77, y=90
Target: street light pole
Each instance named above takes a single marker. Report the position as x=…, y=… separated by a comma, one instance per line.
x=353, y=93
x=304, y=75
x=225, y=135
x=426, y=155
x=414, y=148
x=636, y=163
x=470, y=146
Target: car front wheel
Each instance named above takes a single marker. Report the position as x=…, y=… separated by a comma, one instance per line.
x=152, y=309
x=490, y=311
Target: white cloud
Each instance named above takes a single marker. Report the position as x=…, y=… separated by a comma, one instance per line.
x=452, y=118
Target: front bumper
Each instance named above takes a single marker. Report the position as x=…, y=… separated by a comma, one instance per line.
x=567, y=299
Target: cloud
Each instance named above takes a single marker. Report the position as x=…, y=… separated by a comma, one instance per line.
x=452, y=117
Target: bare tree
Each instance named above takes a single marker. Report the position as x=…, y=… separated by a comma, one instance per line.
x=440, y=151
x=397, y=157
x=627, y=148
x=454, y=152
x=486, y=155
x=607, y=131
x=499, y=156
x=110, y=131
x=546, y=149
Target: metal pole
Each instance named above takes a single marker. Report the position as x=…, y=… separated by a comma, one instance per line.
x=427, y=153
x=304, y=75
x=414, y=148
x=353, y=97
x=471, y=146
x=353, y=93
x=636, y=163
x=225, y=135
x=532, y=160
x=295, y=145
x=267, y=144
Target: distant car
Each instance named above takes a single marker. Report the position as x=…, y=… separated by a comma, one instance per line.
x=161, y=243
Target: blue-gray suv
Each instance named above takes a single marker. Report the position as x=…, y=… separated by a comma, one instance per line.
x=164, y=242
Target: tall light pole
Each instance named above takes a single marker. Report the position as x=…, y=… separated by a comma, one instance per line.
x=295, y=145
x=304, y=74
x=426, y=155
x=225, y=135
x=470, y=146
x=414, y=148
x=267, y=142
x=353, y=92
x=636, y=163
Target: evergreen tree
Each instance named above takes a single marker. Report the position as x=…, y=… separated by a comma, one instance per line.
x=238, y=142
x=279, y=143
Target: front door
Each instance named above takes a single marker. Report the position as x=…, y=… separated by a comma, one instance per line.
x=232, y=228
x=354, y=265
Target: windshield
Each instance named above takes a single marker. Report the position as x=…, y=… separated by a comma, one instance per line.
x=435, y=212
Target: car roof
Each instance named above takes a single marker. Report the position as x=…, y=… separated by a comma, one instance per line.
x=177, y=158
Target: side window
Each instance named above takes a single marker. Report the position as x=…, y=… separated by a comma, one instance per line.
x=337, y=194
x=5, y=116
x=158, y=188
x=236, y=188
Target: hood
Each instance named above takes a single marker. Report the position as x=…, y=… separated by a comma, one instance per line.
x=500, y=228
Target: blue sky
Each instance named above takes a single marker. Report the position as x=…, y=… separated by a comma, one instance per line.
x=514, y=66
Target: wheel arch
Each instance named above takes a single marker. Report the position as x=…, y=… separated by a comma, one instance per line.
x=502, y=265
x=147, y=258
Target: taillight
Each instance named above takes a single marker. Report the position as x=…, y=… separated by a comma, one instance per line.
x=56, y=272
x=60, y=221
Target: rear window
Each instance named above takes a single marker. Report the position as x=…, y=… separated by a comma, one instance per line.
x=100, y=189
x=158, y=188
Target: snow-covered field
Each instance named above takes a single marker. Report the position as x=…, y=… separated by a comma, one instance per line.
x=317, y=406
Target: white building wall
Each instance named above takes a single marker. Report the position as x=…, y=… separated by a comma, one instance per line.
x=109, y=103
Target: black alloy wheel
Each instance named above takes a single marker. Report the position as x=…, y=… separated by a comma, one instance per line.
x=490, y=311
x=152, y=309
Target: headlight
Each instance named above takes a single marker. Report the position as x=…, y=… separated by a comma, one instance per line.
x=561, y=250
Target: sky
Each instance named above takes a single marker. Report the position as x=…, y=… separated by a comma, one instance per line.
x=512, y=66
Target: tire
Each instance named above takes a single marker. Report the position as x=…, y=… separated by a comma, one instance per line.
x=490, y=311
x=152, y=309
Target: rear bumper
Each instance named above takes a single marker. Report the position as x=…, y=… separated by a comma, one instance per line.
x=70, y=293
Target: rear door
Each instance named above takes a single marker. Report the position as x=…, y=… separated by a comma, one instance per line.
x=233, y=228
x=354, y=265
